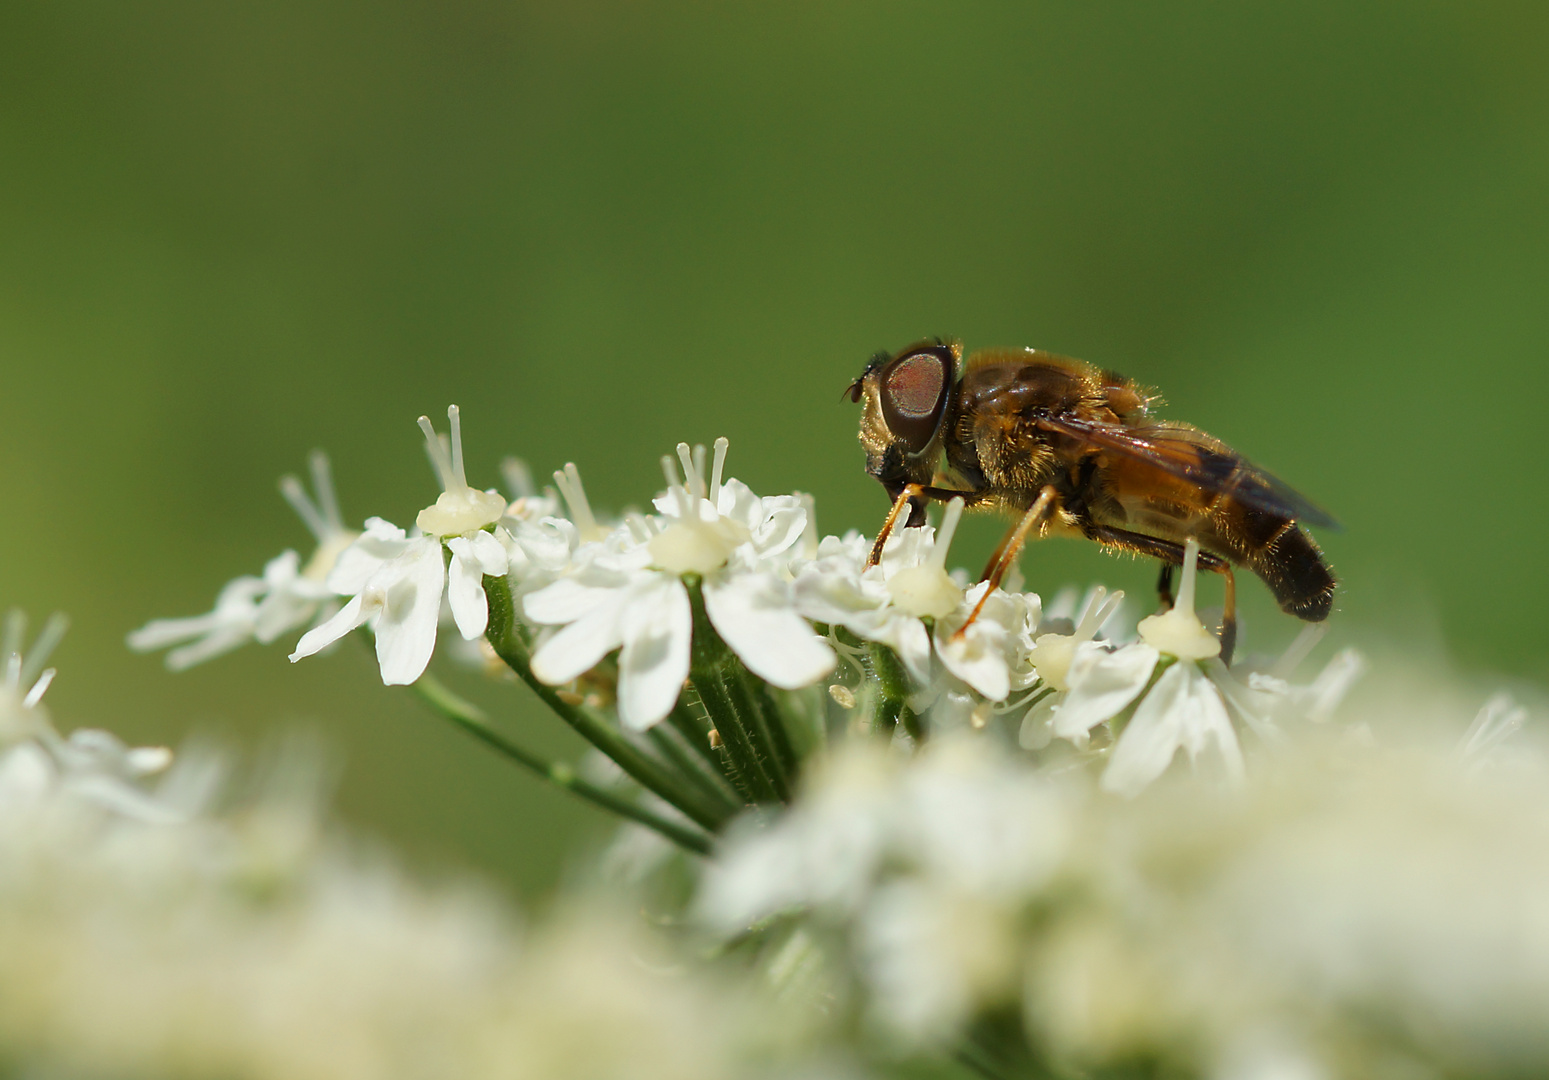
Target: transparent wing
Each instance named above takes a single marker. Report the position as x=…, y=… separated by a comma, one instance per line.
x=1192, y=455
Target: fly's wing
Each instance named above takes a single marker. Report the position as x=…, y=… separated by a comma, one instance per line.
x=1190, y=454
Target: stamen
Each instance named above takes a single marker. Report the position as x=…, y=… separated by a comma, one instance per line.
x=52, y=633
x=13, y=669
x=35, y=695
x=438, y=456
x=327, y=499
x=1300, y=649
x=639, y=527
x=569, y=482
x=691, y=478
x=305, y=509
x=700, y=472
x=949, y=520
x=676, y=490
x=1185, y=600
x=1098, y=612
x=518, y=477
x=721, y=446
x=454, y=417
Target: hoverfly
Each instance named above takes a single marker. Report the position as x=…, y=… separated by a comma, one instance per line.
x=1073, y=449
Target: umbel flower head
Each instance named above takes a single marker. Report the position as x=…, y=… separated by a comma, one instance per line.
x=629, y=591
x=395, y=580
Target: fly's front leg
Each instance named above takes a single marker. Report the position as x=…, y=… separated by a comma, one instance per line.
x=1164, y=586
x=905, y=498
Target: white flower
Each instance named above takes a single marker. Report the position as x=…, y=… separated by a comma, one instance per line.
x=1091, y=681
x=1103, y=681
x=888, y=602
x=988, y=654
x=1183, y=711
x=22, y=714
x=396, y=581
x=287, y=596
x=91, y=766
x=633, y=597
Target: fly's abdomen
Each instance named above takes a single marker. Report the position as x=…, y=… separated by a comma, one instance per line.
x=1284, y=556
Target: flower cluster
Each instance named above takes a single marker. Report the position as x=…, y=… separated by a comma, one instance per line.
x=146, y=933
x=732, y=594
x=939, y=818
x=1357, y=911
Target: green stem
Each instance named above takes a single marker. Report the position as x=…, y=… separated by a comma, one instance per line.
x=471, y=719
x=774, y=720
x=711, y=785
x=892, y=692
x=508, y=645
x=697, y=732
x=730, y=708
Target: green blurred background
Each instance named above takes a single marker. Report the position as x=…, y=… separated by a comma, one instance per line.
x=232, y=232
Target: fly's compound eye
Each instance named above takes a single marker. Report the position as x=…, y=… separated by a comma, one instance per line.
x=914, y=396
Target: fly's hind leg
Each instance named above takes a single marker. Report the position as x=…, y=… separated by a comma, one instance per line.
x=1171, y=554
x=1164, y=585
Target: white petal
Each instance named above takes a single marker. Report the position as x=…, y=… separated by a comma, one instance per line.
x=909, y=639
x=285, y=609
x=1037, y=729
x=347, y=618
x=756, y=616
x=569, y=599
x=1209, y=722
x=406, y=629
x=282, y=569
x=783, y=520
x=488, y=549
x=380, y=544
x=978, y=657
x=1182, y=710
x=577, y=648
x=465, y=590
x=737, y=501
x=1146, y=747
x=833, y=595
x=657, y=628
x=1102, y=684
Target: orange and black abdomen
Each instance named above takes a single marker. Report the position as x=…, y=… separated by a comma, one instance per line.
x=1284, y=556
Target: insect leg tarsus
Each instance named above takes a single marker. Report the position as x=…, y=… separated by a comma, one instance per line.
x=905, y=498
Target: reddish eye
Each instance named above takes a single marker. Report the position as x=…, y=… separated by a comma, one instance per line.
x=914, y=397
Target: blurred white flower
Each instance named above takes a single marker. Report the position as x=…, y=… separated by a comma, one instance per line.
x=395, y=581
x=288, y=595
x=929, y=859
